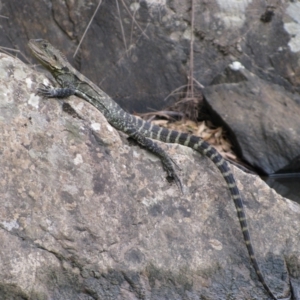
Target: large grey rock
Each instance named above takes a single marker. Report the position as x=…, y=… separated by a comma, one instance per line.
x=263, y=118
x=86, y=216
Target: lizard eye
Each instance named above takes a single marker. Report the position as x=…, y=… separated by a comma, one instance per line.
x=55, y=57
x=44, y=46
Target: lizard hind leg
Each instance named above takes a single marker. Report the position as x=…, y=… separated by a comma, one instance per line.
x=167, y=161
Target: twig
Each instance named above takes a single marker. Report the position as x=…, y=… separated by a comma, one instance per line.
x=88, y=26
x=199, y=84
x=134, y=20
x=121, y=24
x=176, y=90
x=6, y=50
x=191, y=81
x=9, y=49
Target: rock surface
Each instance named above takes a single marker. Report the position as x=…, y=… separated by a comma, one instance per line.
x=263, y=118
x=85, y=215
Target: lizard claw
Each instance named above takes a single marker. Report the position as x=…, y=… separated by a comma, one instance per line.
x=44, y=91
x=178, y=182
x=173, y=176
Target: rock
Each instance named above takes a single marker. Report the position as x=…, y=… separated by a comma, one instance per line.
x=262, y=118
x=286, y=186
x=139, y=51
x=85, y=215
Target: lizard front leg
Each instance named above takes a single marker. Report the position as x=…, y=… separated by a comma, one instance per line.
x=49, y=92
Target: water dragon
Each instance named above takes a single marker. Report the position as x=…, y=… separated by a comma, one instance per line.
x=74, y=83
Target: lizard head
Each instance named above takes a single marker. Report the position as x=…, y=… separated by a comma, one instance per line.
x=49, y=56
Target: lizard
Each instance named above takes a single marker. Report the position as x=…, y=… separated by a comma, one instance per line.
x=73, y=82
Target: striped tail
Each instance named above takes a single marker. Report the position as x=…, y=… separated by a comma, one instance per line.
x=171, y=136
x=218, y=160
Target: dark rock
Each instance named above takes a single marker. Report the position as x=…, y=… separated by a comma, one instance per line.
x=139, y=51
x=88, y=220
x=287, y=185
x=263, y=119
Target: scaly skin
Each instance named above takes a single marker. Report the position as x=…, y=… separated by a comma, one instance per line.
x=74, y=83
